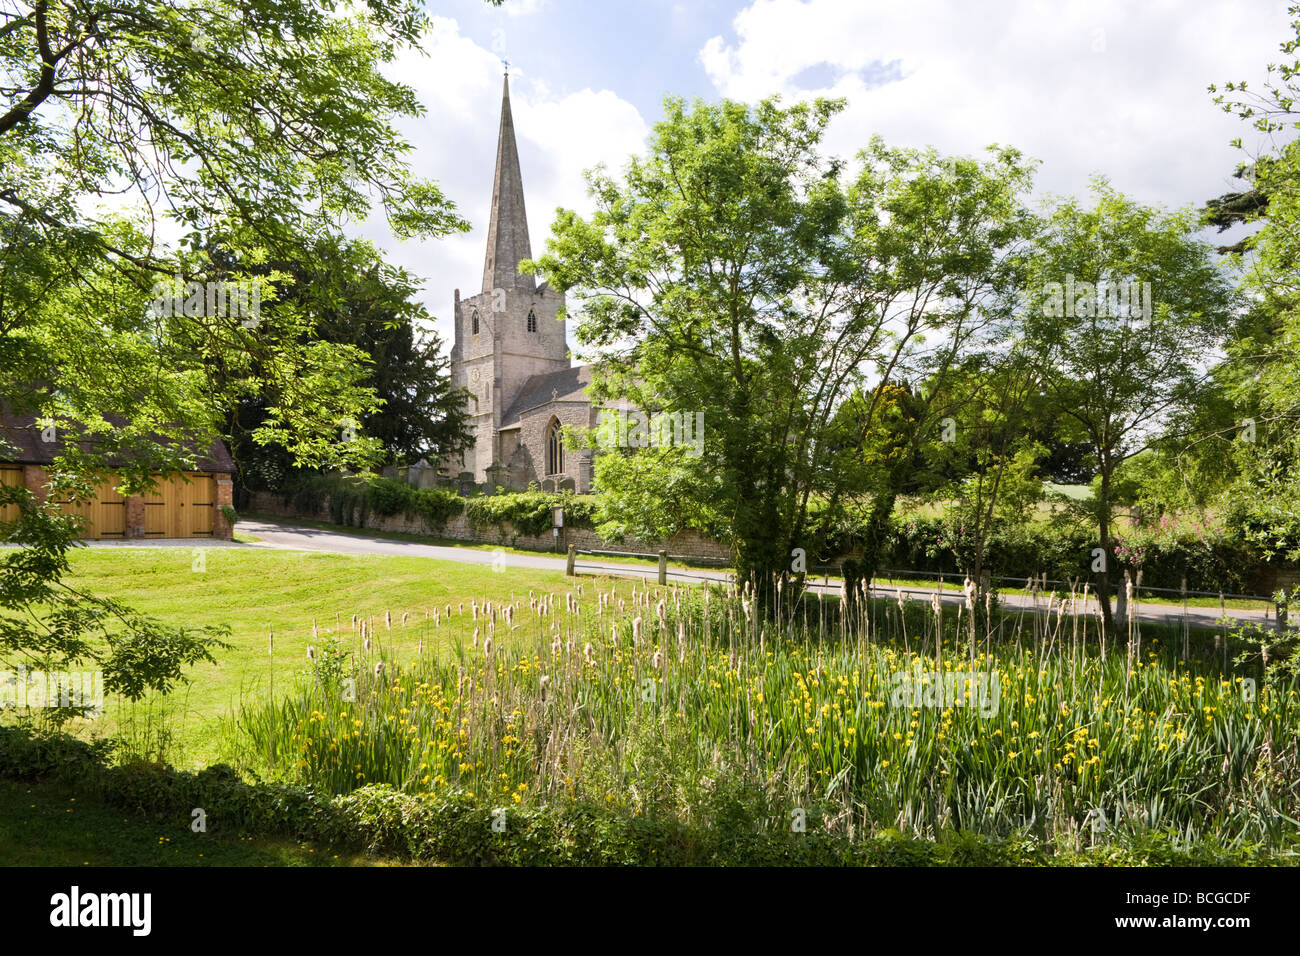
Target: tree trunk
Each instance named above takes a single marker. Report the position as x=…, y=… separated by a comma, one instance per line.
x=1103, y=576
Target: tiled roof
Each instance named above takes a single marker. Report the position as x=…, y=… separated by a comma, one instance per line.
x=566, y=385
x=21, y=432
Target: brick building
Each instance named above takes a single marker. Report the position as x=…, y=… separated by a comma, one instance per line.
x=187, y=505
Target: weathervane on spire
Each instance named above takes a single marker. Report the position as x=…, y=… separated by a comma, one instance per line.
x=507, y=65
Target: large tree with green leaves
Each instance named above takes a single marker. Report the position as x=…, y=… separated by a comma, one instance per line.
x=1125, y=306
x=358, y=300
x=1261, y=376
x=734, y=271
x=144, y=144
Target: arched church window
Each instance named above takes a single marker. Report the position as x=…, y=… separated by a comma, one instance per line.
x=554, y=448
x=532, y=321
x=474, y=323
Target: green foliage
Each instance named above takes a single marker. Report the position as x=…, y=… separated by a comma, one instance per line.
x=454, y=829
x=770, y=287
x=675, y=730
x=529, y=512
x=351, y=499
x=250, y=172
x=358, y=300
x=1210, y=561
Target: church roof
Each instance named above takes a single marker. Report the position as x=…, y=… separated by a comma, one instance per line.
x=507, y=241
x=565, y=385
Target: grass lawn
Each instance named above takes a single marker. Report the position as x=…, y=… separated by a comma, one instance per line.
x=46, y=825
x=255, y=591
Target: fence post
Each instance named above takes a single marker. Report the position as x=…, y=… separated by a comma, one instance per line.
x=663, y=566
x=568, y=564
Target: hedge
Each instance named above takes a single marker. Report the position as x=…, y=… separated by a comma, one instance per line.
x=352, y=499
x=529, y=512
x=1217, y=563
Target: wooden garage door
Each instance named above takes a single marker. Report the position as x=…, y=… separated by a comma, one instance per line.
x=105, y=515
x=10, y=476
x=181, y=506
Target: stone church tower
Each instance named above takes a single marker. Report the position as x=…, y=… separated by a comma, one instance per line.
x=510, y=355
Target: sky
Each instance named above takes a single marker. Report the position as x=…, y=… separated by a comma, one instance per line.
x=1085, y=87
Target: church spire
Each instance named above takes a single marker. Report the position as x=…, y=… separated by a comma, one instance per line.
x=507, y=241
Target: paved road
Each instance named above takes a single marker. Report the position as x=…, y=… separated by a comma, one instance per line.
x=290, y=537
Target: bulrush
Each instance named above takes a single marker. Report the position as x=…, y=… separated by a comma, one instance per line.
x=473, y=610
x=636, y=630
x=474, y=643
x=510, y=614
x=447, y=610
x=586, y=654
x=661, y=611
x=544, y=681
x=657, y=661
x=487, y=647
x=936, y=603
x=354, y=622
x=365, y=645
x=315, y=634
x=311, y=653
x=969, y=587
x=388, y=620
x=404, y=613
x=379, y=670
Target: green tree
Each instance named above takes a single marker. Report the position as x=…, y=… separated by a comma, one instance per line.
x=994, y=482
x=1261, y=376
x=227, y=132
x=1124, y=304
x=734, y=272
x=356, y=299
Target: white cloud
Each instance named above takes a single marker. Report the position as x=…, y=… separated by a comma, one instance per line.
x=1084, y=85
x=459, y=83
x=523, y=8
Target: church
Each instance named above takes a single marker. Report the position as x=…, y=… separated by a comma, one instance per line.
x=511, y=356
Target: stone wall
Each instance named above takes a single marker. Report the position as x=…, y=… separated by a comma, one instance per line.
x=459, y=528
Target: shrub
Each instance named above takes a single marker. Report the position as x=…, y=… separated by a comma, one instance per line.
x=453, y=829
x=351, y=499
x=529, y=512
